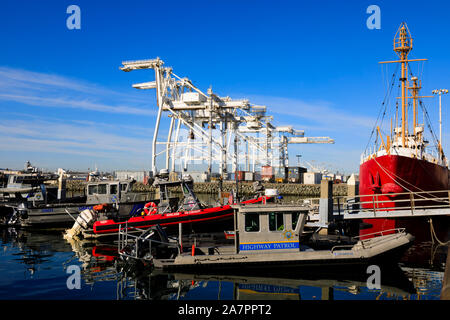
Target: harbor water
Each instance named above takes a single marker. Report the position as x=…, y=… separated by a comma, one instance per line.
x=40, y=264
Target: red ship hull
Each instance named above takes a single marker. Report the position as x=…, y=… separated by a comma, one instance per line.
x=391, y=174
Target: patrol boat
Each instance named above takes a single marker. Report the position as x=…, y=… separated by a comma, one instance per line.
x=167, y=212
x=267, y=236
x=43, y=214
x=29, y=185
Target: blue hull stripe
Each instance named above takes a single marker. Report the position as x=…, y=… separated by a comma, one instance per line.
x=269, y=246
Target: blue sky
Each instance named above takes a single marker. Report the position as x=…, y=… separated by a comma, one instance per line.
x=65, y=103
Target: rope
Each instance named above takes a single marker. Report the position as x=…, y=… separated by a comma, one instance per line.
x=420, y=190
x=425, y=112
x=434, y=236
x=384, y=103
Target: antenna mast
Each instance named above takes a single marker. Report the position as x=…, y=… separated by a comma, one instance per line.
x=403, y=46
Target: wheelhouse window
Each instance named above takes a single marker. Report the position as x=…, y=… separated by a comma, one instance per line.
x=113, y=189
x=276, y=221
x=123, y=187
x=295, y=216
x=92, y=189
x=252, y=222
x=102, y=188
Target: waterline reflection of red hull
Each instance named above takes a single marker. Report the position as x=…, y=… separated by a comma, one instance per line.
x=174, y=218
x=388, y=175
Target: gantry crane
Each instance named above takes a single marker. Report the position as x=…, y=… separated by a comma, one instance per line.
x=217, y=123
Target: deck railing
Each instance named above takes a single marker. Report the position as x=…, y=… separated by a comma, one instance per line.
x=412, y=201
x=367, y=239
x=126, y=238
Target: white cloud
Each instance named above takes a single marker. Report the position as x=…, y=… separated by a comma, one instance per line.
x=322, y=113
x=66, y=136
x=49, y=90
x=82, y=144
x=74, y=142
x=73, y=103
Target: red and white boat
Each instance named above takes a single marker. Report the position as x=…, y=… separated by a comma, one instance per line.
x=402, y=169
x=169, y=213
x=219, y=214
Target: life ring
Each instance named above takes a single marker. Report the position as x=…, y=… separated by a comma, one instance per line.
x=148, y=205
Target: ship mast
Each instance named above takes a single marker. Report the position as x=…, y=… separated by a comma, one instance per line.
x=403, y=46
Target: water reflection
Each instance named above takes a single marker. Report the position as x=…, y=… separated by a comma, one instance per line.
x=45, y=256
x=30, y=249
x=139, y=281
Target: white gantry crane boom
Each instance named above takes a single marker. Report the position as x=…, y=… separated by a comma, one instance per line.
x=299, y=140
x=213, y=123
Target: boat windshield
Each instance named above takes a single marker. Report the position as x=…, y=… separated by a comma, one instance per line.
x=113, y=189
x=252, y=222
x=276, y=222
x=92, y=189
x=295, y=216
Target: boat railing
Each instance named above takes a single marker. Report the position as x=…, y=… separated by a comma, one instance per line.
x=140, y=241
x=411, y=201
x=382, y=233
x=341, y=247
x=314, y=203
x=367, y=239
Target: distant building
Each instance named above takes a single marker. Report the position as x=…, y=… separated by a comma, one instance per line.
x=312, y=177
x=199, y=176
x=139, y=176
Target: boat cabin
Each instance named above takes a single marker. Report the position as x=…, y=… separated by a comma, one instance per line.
x=110, y=191
x=268, y=227
x=167, y=203
x=27, y=187
x=266, y=236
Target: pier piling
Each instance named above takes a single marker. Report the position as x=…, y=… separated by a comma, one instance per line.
x=326, y=203
x=445, y=292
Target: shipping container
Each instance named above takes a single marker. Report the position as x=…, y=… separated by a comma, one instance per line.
x=249, y=176
x=266, y=171
x=281, y=174
x=267, y=174
x=199, y=176
x=139, y=176
x=240, y=175
x=215, y=176
x=312, y=177
x=295, y=174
